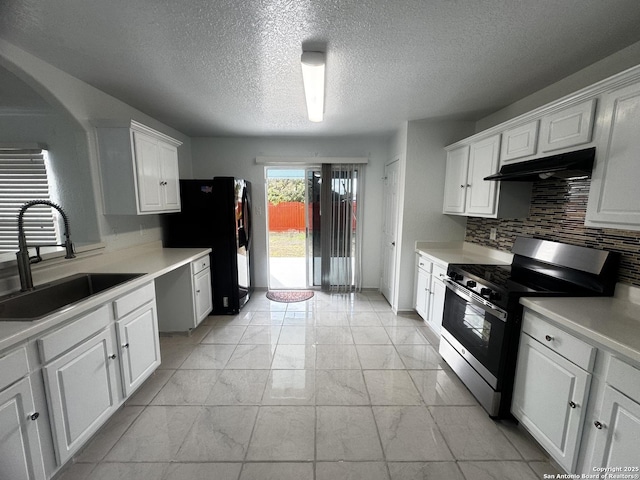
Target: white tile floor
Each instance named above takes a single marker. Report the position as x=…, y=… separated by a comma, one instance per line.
x=337, y=387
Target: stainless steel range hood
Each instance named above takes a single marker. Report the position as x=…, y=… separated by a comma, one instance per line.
x=564, y=165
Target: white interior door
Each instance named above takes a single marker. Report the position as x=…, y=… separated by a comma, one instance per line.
x=390, y=230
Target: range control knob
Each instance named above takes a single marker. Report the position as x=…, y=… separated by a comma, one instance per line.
x=471, y=283
x=455, y=276
x=495, y=296
x=485, y=292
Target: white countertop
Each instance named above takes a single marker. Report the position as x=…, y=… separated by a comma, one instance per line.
x=152, y=260
x=609, y=322
x=463, y=252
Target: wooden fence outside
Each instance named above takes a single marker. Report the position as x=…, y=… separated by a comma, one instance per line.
x=286, y=216
x=289, y=216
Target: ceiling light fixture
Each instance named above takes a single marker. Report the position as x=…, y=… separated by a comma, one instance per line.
x=313, y=79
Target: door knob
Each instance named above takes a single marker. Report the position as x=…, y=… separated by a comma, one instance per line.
x=572, y=404
x=598, y=425
x=34, y=416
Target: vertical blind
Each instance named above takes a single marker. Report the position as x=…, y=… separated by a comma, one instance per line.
x=341, y=226
x=23, y=177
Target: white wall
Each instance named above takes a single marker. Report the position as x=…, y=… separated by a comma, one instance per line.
x=422, y=218
x=237, y=157
x=615, y=63
x=84, y=103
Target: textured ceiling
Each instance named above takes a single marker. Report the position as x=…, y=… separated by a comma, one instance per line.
x=232, y=67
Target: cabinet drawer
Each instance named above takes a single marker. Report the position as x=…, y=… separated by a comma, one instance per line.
x=67, y=337
x=129, y=302
x=439, y=271
x=13, y=366
x=424, y=264
x=625, y=378
x=200, y=264
x=570, y=347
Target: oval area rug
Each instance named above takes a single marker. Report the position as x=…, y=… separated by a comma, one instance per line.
x=289, y=296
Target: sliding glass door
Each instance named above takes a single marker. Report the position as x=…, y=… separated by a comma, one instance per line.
x=331, y=226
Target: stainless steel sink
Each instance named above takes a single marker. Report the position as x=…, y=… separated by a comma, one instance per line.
x=50, y=297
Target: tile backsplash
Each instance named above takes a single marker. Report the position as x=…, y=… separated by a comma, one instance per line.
x=558, y=209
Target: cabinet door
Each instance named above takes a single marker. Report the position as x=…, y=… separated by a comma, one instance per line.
x=82, y=392
x=519, y=142
x=422, y=293
x=20, y=451
x=148, y=173
x=140, y=347
x=483, y=161
x=567, y=128
x=617, y=441
x=170, y=177
x=549, y=399
x=614, y=198
x=203, y=294
x=436, y=305
x=455, y=182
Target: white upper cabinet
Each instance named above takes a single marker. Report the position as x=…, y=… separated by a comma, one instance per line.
x=139, y=170
x=614, y=198
x=483, y=161
x=568, y=127
x=518, y=143
x=466, y=192
x=455, y=184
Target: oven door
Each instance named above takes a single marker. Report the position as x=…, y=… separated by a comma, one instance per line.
x=476, y=329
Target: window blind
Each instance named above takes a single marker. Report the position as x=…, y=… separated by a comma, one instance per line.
x=23, y=177
x=341, y=229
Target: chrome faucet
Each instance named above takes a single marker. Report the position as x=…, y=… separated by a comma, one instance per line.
x=24, y=260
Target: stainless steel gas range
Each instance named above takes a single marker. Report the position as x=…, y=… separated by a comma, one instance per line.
x=482, y=313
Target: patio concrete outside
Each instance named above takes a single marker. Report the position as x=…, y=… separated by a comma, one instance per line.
x=287, y=273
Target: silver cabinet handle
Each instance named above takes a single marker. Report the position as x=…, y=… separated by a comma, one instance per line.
x=461, y=186
x=126, y=345
x=34, y=416
x=468, y=184
x=548, y=338
x=112, y=356
x=598, y=425
x=572, y=404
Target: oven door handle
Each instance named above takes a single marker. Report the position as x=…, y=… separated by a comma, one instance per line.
x=470, y=297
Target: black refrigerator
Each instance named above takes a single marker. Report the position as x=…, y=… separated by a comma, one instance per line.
x=216, y=213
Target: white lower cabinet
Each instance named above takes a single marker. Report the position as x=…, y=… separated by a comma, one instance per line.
x=20, y=451
x=202, y=292
x=185, y=296
x=616, y=427
x=436, y=308
x=617, y=443
x=430, y=289
x=422, y=292
x=82, y=392
x=139, y=346
x=579, y=401
x=549, y=399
